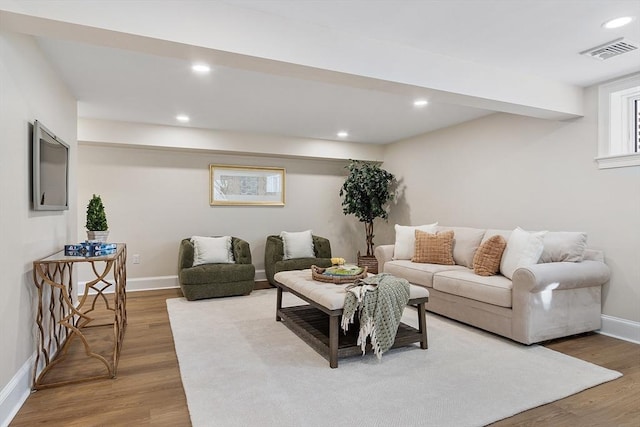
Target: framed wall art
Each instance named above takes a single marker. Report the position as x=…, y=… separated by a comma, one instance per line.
x=246, y=185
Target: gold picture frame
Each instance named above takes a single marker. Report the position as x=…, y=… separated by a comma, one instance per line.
x=231, y=185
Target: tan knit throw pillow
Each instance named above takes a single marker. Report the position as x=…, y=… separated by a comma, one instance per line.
x=486, y=261
x=434, y=248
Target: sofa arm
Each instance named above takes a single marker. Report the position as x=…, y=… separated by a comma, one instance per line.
x=241, y=251
x=383, y=254
x=557, y=299
x=560, y=275
x=273, y=251
x=185, y=254
x=321, y=247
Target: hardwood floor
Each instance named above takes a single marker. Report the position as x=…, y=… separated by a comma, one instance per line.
x=148, y=389
x=616, y=403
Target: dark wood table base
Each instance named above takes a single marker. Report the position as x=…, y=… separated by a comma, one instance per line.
x=320, y=327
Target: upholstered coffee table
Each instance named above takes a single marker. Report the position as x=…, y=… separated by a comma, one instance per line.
x=318, y=322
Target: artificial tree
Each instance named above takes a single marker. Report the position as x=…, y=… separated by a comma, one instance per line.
x=367, y=191
x=96, y=217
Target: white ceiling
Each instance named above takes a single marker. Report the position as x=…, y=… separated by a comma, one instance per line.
x=119, y=85
x=534, y=39
x=540, y=37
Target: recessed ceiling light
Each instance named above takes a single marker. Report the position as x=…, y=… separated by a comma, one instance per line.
x=617, y=22
x=182, y=118
x=343, y=134
x=420, y=102
x=201, y=68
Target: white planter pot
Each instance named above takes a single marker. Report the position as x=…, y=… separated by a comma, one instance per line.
x=100, y=236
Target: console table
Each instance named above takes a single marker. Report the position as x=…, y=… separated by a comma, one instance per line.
x=62, y=316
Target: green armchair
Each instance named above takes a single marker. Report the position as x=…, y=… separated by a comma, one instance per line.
x=216, y=280
x=274, y=252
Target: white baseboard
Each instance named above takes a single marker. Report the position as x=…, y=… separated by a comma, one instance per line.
x=141, y=284
x=14, y=394
x=261, y=275
x=153, y=283
x=627, y=330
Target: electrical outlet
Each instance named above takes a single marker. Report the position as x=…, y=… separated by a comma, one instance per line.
x=136, y=258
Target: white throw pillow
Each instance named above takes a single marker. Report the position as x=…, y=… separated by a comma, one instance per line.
x=523, y=248
x=212, y=250
x=406, y=239
x=297, y=245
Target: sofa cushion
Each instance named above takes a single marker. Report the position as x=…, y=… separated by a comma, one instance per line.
x=434, y=248
x=494, y=290
x=297, y=244
x=416, y=273
x=564, y=246
x=406, y=239
x=216, y=273
x=486, y=261
x=523, y=248
x=212, y=250
x=466, y=241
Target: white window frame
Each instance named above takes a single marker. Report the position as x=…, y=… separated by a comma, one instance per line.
x=617, y=123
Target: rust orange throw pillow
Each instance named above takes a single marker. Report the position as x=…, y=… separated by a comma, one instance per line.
x=486, y=261
x=434, y=248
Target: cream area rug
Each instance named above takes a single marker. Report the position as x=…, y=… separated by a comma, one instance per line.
x=240, y=367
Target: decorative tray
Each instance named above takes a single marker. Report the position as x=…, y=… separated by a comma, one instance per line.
x=338, y=274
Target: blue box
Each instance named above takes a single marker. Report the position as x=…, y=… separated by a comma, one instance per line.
x=104, y=252
x=90, y=248
x=102, y=246
x=82, y=253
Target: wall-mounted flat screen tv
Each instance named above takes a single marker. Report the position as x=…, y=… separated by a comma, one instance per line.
x=50, y=170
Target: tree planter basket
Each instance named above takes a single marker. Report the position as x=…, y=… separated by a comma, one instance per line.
x=369, y=262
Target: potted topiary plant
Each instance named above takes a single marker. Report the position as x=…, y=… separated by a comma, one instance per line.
x=97, y=228
x=367, y=191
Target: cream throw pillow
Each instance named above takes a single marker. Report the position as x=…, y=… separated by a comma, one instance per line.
x=523, y=248
x=406, y=239
x=297, y=244
x=212, y=250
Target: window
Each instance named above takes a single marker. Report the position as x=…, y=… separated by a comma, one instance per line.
x=637, y=130
x=619, y=123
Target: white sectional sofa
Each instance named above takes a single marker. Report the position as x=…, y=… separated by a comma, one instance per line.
x=542, y=301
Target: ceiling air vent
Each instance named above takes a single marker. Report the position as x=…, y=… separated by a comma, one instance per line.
x=613, y=48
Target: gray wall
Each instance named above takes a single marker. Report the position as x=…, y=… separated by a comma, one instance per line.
x=504, y=171
x=154, y=198
x=29, y=90
x=500, y=171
